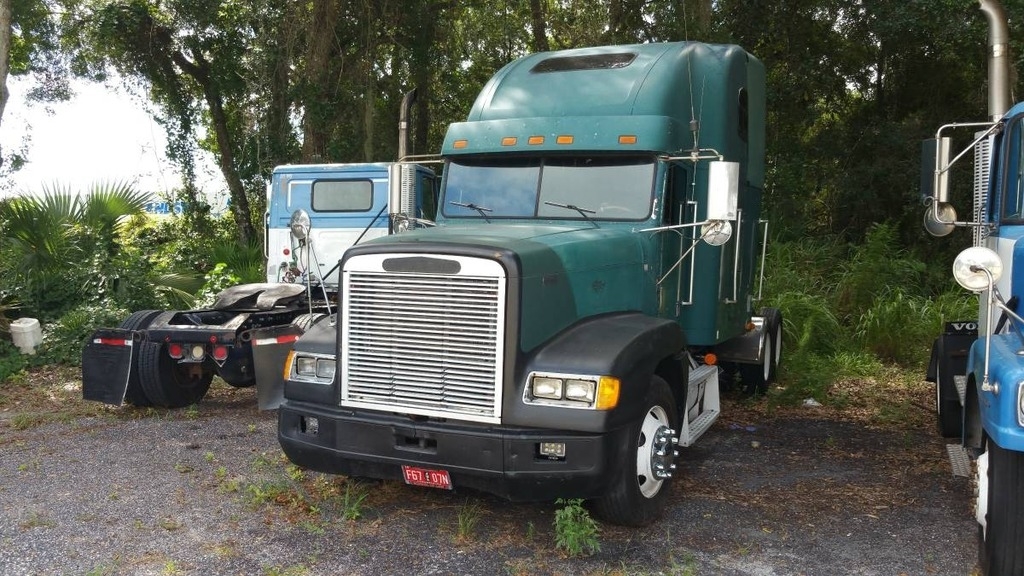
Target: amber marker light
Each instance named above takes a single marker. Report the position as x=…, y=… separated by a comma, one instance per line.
x=509, y=141
x=288, y=363
x=710, y=359
x=607, y=393
x=459, y=144
x=627, y=139
x=564, y=139
x=535, y=140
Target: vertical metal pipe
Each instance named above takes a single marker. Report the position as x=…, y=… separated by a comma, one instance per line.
x=998, y=58
x=403, y=123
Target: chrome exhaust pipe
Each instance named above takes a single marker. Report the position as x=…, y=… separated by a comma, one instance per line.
x=998, y=58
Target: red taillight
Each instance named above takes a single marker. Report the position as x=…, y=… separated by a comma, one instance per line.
x=175, y=351
x=220, y=353
x=286, y=251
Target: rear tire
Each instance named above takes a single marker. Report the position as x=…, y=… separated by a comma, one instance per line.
x=948, y=411
x=140, y=320
x=637, y=495
x=1001, y=505
x=168, y=383
x=756, y=378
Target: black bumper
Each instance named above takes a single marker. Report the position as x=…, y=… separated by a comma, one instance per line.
x=491, y=458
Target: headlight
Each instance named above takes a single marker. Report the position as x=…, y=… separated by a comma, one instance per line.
x=572, y=391
x=315, y=368
x=1020, y=403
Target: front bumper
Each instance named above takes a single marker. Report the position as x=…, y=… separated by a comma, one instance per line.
x=491, y=458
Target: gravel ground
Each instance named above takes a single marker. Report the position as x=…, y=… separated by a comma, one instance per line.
x=206, y=490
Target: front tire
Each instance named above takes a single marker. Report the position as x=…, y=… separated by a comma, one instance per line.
x=1000, y=511
x=642, y=484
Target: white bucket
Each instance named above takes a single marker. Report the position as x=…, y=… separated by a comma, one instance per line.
x=27, y=334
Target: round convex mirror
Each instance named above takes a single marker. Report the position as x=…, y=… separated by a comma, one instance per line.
x=299, y=224
x=974, y=266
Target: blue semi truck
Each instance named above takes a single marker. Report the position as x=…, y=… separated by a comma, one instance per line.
x=560, y=328
x=977, y=364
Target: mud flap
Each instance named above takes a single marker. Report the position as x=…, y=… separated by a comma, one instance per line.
x=270, y=347
x=106, y=365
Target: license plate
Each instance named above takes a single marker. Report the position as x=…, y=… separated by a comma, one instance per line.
x=426, y=477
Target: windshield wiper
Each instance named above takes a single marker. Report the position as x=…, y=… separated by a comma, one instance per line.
x=583, y=211
x=483, y=211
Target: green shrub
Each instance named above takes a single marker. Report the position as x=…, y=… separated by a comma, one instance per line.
x=576, y=531
x=63, y=339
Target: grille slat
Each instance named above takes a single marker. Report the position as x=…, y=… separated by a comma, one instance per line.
x=424, y=343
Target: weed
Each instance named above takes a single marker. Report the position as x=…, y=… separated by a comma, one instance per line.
x=170, y=524
x=353, y=502
x=298, y=570
x=37, y=520
x=26, y=420
x=469, y=517
x=313, y=528
x=192, y=411
x=688, y=566
x=531, y=530
x=183, y=468
x=576, y=531
x=171, y=568
x=209, y=457
x=295, y=473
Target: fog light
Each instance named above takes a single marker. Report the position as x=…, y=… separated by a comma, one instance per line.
x=552, y=449
x=309, y=425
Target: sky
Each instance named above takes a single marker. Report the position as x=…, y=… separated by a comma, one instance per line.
x=101, y=135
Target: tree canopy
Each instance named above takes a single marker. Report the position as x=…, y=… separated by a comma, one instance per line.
x=853, y=85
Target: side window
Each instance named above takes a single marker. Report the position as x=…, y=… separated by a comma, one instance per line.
x=743, y=114
x=342, y=196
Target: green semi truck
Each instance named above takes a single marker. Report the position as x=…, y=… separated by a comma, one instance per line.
x=560, y=328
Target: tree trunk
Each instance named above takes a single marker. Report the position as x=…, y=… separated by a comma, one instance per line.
x=5, y=57
x=200, y=72
x=539, y=29
x=315, y=126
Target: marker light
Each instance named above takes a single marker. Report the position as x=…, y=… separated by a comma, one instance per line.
x=509, y=141
x=564, y=139
x=627, y=139
x=534, y=140
x=460, y=144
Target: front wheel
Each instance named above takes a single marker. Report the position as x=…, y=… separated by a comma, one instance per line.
x=641, y=485
x=1000, y=510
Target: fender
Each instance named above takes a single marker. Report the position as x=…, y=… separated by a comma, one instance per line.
x=629, y=346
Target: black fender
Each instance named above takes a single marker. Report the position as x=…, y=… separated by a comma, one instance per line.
x=629, y=346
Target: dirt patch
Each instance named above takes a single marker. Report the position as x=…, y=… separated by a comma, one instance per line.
x=769, y=491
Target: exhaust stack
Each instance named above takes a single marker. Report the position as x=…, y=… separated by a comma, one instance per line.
x=998, y=58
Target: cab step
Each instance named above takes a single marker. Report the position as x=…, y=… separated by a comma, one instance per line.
x=703, y=377
x=959, y=460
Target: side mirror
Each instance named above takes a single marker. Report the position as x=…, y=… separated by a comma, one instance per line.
x=977, y=268
x=935, y=169
x=300, y=224
x=723, y=190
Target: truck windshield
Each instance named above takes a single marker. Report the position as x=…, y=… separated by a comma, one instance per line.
x=562, y=188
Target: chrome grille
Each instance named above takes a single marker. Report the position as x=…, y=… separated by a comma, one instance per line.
x=422, y=343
